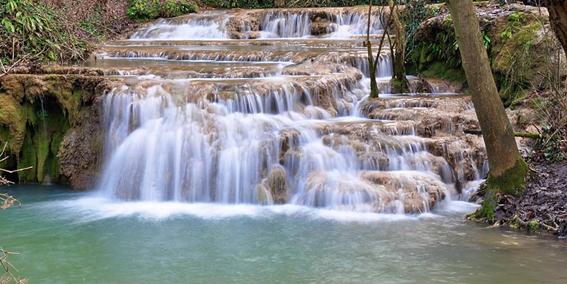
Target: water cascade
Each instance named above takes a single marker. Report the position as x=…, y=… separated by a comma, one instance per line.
x=276, y=121
x=301, y=24
x=202, y=26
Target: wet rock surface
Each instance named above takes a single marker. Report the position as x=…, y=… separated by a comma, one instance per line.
x=80, y=153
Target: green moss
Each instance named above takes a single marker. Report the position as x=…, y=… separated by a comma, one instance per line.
x=440, y=71
x=515, y=222
x=35, y=114
x=28, y=157
x=4, y=138
x=512, y=181
x=11, y=118
x=49, y=134
x=534, y=226
x=42, y=141
x=69, y=98
x=53, y=160
x=4, y=135
x=15, y=117
x=486, y=211
x=516, y=67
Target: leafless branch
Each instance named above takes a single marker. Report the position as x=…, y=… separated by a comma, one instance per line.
x=9, y=268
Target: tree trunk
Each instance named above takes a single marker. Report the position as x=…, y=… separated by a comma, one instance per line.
x=558, y=18
x=374, y=93
x=507, y=168
x=399, y=80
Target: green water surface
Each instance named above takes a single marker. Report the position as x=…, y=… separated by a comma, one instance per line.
x=68, y=237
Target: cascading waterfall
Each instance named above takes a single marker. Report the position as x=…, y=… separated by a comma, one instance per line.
x=274, y=24
x=201, y=26
x=286, y=25
x=277, y=139
x=297, y=24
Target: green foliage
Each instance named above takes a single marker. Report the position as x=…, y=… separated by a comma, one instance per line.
x=534, y=226
x=514, y=23
x=516, y=65
x=440, y=71
x=413, y=15
x=144, y=10
x=32, y=31
x=178, y=8
x=486, y=40
x=444, y=47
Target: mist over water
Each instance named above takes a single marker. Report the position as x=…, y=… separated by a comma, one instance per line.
x=258, y=139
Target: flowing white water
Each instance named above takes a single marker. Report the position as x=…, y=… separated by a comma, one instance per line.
x=264, y=141
x=273, y=24
x=196, y=26
x=297, y=24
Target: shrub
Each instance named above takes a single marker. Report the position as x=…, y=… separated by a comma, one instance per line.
x=144, y=10
x=177, y=8
x=30, y=31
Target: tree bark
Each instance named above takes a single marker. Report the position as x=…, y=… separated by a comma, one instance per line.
x=399, y=80
x=558, y=18
x=374, y=93
x=507, y=168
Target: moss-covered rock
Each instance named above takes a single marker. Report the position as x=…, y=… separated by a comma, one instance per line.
x=36, y=113
x=514, y=37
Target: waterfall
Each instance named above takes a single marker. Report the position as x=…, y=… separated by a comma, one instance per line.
x=230, y=123
x=273, y=24
x=195, y=26
x=297, y=24
x=287, y=24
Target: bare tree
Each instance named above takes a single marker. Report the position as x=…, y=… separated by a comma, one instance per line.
x=399, y=80
x=507, y=168
x=373, y=62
